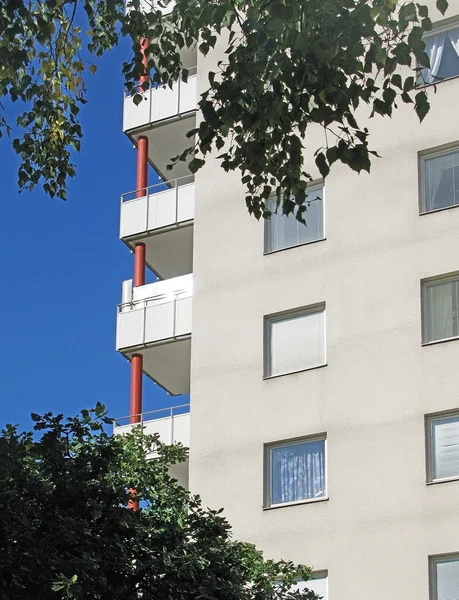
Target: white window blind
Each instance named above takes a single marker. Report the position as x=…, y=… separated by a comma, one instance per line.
x=446, y=578
x=285, y=231
x=318, y=584
x=442, y=48
x=444, y=445
x=441, y=309
x=297, y=471
x=296, y=342
x=440, y=181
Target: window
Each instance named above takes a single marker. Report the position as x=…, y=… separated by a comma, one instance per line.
x=440, y=180
x=444, y=576
x=295, y=471
x=318, y=584
x=285, y=231
x=295, y=342
x=442, y=48
x=440, y=309
x=442, y=446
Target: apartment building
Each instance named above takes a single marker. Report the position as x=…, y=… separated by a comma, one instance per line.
x=322, y=361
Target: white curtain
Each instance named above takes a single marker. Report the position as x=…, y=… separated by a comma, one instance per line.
x=284, y=232
x=440, y=181
x=297, y=342
x=434, y=49
x=442, y=58
x=454, y=39
x=448, y=579
x=442, y=299
x=445, y=447
x=298, y=472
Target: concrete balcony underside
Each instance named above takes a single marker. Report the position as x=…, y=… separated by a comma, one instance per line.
x=164, y=116
x=173, y=427
x=155, y=320
x=163, y=221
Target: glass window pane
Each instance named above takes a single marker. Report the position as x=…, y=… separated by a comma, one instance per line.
x=443, y=51
x=296, y=343
x=298, y=472
x=447, y=579
x=285, y=231
x=445, y=447
x=440, y=311
x=441, y=176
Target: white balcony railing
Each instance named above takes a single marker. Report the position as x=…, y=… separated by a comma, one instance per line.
x=147, y=6
x=172, y=424
x=161, y=103
x=164, y=205
x=154, y=313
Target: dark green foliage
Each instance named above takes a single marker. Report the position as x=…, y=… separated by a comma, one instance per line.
x=289, y=65
x=66, y=534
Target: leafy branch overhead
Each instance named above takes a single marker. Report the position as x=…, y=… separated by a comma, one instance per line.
x=66, y=532
x=288, y=65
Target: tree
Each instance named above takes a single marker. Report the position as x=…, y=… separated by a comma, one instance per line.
x=289, y=64
x=66, y=531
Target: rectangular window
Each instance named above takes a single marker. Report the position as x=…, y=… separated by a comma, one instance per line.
x=318, y=584
x=283, y=231
x=440, y=299
x=442, y=48
x=444, y=575
x=440, y=180
x=442, y=446
x=295, y=471
x=295, y=342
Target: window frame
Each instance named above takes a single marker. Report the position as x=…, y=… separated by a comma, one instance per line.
x=284, y=316
x=267, y=470
x=425, y=283
x=434, y=560
x=422, y=157
x=317, y=183
x=428, y=419
x=438, y=27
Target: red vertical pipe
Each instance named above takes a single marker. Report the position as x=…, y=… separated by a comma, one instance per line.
x=136, y=388
x=143, y=49
x=139, y=265
x=142, y=166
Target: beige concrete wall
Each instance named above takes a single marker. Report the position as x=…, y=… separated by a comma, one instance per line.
x=381, y=521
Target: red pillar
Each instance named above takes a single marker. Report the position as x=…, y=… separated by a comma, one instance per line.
x=139, y=265
x=143, y=47
x=136, y=387
x=142, y=166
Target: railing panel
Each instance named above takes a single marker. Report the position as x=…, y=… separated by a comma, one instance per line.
x=164, y=102
x=188, y=95
x=136, y=115
x=159, y=322
x=133, y=216
x=183, y=316
x=162, y=209
x=185, y=202
x=129, y=331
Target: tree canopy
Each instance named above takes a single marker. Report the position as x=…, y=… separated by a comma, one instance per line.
x=289, y=65
x=66, y=532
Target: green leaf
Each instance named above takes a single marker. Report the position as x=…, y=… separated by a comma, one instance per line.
x=195, y=164
x=442, y=6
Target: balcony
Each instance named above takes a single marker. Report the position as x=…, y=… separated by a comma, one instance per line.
x=164, y=115
x=155, y=320
x=163, y=220
x=173, y=426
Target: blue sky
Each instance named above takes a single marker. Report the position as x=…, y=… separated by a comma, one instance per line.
x=62, y=268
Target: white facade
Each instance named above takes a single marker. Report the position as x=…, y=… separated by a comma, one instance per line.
x=369, y=385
